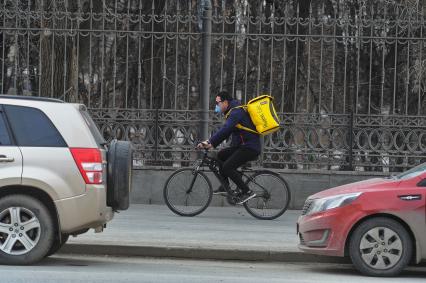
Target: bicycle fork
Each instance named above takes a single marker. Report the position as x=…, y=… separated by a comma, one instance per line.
x=194, y=178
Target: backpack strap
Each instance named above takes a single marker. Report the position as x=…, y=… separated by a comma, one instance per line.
x=239, y=126
x=230, y=110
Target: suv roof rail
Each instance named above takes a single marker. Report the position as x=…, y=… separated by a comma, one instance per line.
x=34, y=98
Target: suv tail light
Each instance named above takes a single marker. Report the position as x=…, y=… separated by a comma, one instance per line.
x=89, y=162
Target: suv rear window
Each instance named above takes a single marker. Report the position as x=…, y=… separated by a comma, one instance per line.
x=93, y=128
x=32, y=127
x=4, y=134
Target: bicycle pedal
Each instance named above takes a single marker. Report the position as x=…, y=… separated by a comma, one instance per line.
x=231, y=200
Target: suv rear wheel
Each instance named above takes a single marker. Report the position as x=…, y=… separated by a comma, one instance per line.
x=58, y=244
x=26, y=230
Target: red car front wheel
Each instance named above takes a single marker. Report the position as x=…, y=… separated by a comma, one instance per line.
x=380, y=247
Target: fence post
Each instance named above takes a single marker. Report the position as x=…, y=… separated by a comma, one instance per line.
x=351, y=140
x=156, y=136
x=205, y=68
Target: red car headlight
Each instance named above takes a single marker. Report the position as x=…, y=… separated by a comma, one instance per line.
x=331, y=202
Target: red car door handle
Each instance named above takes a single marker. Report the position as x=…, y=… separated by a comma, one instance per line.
x=410, y=197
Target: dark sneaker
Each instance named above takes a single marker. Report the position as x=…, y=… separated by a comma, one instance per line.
x=220, y=191
x=246, y=197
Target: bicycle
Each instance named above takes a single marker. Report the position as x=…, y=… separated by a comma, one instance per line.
x=188, y=191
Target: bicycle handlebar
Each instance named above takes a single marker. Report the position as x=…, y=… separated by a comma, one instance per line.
x=197, y=143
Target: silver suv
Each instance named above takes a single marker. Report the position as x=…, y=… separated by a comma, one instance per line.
x=58, y=176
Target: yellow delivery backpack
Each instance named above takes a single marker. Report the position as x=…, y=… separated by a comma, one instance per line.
x=263, y=115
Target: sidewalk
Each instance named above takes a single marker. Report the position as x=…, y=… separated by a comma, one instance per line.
x=225, y=233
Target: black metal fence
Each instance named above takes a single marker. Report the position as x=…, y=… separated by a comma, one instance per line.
x=305, y=141
x=348, y=77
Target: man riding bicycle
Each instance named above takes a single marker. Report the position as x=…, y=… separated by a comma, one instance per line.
x=245, y=146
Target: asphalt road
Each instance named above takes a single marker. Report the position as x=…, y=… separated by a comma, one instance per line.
x=113, y=269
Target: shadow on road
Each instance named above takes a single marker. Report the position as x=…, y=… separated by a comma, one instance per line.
x=418, y=271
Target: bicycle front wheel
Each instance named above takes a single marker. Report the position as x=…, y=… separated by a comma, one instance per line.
x=187, y=192
x=272, y=195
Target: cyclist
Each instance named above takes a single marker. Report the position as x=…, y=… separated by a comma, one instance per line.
x=245, y=146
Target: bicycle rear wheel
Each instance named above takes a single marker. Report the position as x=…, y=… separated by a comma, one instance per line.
x=187, y=192
x=272, y=195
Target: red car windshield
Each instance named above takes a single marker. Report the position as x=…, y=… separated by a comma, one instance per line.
x=416, y=171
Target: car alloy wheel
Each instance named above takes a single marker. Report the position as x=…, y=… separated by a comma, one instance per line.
x=381, y=248
x=20, y=230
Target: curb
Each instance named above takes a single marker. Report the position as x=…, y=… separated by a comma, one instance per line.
x=197, y=253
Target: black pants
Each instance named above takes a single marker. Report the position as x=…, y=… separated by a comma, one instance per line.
x=232, y=158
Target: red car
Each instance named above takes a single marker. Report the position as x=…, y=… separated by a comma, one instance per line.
x=379, y=223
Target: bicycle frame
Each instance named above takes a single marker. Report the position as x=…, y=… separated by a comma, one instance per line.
x=214, y=165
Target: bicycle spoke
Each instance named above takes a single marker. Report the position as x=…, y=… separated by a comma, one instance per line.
x=182, y=185
x=186, y=200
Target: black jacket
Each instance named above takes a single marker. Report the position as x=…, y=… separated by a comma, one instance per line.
x=238, y=137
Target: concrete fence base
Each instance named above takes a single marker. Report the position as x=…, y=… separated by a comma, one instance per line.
x=148, y=184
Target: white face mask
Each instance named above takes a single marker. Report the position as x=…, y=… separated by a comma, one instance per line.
x=217, y=109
